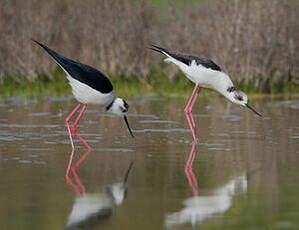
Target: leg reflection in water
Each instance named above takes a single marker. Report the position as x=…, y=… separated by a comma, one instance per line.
x=189, y=171
x=90, y=209
x=78, y=186
x=199, y=208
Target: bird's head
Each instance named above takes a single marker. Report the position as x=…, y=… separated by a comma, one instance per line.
x=240, y=98
x=120, y=107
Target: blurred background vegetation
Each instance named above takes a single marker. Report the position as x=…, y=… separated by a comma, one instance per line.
x=255, y=41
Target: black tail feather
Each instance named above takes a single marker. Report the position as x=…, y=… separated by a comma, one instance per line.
x=159, y=49
x=57, y=57
x=40, y=44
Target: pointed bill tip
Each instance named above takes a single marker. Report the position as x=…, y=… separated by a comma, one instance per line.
x=249, y=107
x=34, y=40
x=127, y=123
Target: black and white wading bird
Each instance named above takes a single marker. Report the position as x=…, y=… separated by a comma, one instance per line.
x=89, y=86
x=204, y=73
x=90, y=209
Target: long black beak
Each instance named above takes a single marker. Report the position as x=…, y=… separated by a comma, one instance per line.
x=126, y=120
x=253, y=110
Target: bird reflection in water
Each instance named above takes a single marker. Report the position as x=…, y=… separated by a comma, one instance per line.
x=199, y=208
x=90, y=208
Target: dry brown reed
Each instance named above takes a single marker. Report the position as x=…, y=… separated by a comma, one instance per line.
x=251, y=39
x=108, y=34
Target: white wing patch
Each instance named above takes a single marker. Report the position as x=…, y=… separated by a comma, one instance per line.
x=205, y=77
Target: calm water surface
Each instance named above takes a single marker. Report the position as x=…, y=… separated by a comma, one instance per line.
x=243, y=174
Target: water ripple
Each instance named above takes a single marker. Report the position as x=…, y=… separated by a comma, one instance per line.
x=162, y=130
x=114, y=149
x=10, y=138
x=27, y=126
x=39, y=114
x=157, y=122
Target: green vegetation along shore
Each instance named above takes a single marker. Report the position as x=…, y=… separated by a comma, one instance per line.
x=157, y=84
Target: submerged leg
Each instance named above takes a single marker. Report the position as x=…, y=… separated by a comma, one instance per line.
x=189, y=116
x=192, y=104
x=71, y=139
x=74, y=128
x=68, y=126
x=190, y=99
x=192, y=126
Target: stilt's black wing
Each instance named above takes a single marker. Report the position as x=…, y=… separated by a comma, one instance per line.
x=187, y=59
x=83, y=73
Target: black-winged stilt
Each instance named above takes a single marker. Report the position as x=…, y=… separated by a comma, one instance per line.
x=89, y=86
x=200, y=208
x=204, y=73
x=90, y=208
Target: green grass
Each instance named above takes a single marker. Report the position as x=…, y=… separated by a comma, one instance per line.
x=57, y=86
x=157, y=84
x=160, y=2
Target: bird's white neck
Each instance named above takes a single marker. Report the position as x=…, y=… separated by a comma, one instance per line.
x=224, y=86
x=226, y=94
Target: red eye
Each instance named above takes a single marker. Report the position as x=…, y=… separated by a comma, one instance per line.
x=239, y=98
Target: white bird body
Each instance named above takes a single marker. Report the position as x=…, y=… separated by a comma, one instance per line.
x=201, y=208
x=90, y=205
x=83, y=92
x=87, y=95
x=90, y=208
x=98, y=206
x=89, y=86
x=205, y=77
x=205, y=73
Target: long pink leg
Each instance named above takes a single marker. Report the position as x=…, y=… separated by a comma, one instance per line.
x=190, y=99
x=74, y=128
x=191, y=126
x=189, y=171
x=194, y=99
x=189, y=115
x=187, y=111
x=191, y=107
x=67, y=123
x=71, y=139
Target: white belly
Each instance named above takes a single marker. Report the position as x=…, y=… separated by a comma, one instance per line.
x=206, y=77
x=87, y=95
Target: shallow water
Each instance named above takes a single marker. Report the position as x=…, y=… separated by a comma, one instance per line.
x=243, y=174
